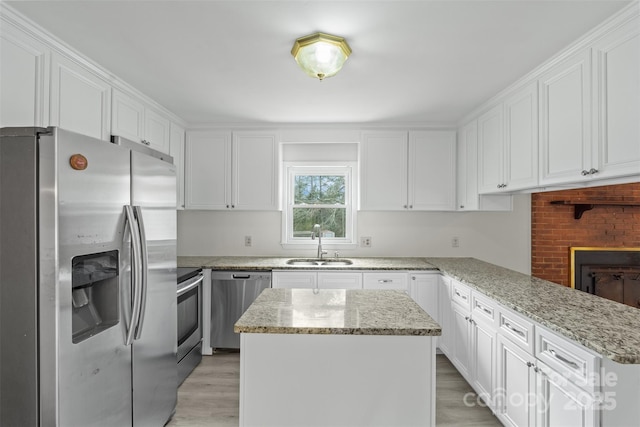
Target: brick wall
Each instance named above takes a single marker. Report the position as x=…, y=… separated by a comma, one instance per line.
x=554, y=229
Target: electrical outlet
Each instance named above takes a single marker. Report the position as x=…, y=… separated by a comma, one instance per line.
x=247, y=240
x=455, y=242
x=365, y=242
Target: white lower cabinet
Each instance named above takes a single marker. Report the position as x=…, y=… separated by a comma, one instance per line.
x=315, y=279
x=515, y=393
x=386, y=280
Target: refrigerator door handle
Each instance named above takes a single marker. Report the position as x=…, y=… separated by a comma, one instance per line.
x=136, y=279
x=144, y=270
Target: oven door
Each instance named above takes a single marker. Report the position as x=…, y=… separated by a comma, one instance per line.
x=189, y=315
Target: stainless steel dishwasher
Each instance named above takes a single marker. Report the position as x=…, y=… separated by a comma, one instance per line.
x=232, y=292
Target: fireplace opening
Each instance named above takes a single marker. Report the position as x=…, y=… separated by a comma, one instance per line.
x=607, y=272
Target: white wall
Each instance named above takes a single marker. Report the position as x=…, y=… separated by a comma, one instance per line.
x=502, y=238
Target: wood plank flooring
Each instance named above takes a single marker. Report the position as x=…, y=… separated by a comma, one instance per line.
x=210, y=396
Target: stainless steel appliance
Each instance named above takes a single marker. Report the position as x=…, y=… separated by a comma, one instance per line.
x=189, y=320
x=232, y=292
x=87, y=282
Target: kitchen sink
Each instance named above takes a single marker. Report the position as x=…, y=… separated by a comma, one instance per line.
x=319, y=262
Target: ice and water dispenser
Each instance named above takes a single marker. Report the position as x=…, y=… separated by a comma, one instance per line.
x=94, y=294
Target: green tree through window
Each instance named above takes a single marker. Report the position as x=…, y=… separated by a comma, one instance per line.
x=319, y=199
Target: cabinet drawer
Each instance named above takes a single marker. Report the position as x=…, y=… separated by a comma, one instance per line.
x=397, y=281
x=461, y=294
x=342, y=280
x=484, y=310
x=290, y=280
x=517, y=328
x=571, y=360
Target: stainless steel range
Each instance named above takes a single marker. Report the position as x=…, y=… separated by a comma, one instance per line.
x=189, y=321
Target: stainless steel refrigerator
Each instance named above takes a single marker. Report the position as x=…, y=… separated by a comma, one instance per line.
x=87, y=281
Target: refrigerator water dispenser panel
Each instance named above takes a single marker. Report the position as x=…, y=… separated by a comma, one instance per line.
x=94, y=294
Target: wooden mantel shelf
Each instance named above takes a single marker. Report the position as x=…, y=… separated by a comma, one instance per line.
x=583, y=205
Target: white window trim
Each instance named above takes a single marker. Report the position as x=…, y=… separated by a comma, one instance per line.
x=351, y=197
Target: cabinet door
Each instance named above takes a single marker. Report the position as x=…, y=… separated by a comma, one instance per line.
x=561, y=403
x=255, y=171
x=424, y=291
x=444, y=307
x=460, y=328
x=294, y=279
x=565, y=134
x=467, y=170
x=80, y=100
x=490, y=151
x=432, y=170
x=385, y=281
x=617, y=101
x=515, y=384
x=156, y=130
x=176, y=150
x=208, y=170
x=24, y=67
x=521, y=138
x=127, y=117
x=483, y=353
x=383, y=157
x=339, y=280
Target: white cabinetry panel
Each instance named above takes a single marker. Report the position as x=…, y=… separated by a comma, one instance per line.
x=617, y=101
x=24, y=67
x=565, y=134
x=432, y=170
x=490, y=150
x=176, y=150
x=208, y=170
x=80, y=100
x=255, y=170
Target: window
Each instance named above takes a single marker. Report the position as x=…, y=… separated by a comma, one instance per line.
x=319, y=194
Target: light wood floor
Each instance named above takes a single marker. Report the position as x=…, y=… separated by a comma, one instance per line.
x=210, y=396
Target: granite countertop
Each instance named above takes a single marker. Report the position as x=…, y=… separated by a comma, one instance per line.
x=606, y=327
x=249, y=263
x=336, y=312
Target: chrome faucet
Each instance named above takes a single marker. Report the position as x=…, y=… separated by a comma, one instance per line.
x=316, y=232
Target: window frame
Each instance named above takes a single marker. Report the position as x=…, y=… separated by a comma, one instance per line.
x=346, y=169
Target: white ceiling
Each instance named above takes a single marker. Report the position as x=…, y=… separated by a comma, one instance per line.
x=420, y=61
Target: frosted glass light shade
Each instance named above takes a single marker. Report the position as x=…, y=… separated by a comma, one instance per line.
x=321, y=55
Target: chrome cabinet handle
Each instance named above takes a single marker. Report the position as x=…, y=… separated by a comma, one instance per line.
x=584, y=172
x=464, y=297
x=385, y=281
x=486, y=310
x=517, y=331
x=593, y=171
x=145, y=142
x=564, y=360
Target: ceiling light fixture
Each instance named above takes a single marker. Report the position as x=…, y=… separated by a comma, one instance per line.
x=321, y=55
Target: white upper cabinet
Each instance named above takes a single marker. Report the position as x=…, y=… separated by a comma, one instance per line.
x=134, y=120
x=383, y=171
x=616, y=110
x=432, y=170
x=176, y=150
x=225, y=171
x=414, y=171
x=521, y=138
x=490, y=150
x=508, y=143
x=80, y=100
x=468, y=198
x=24, y=67
x=565, y=132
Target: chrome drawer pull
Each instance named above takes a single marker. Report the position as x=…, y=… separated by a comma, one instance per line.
x=385, y=281
x=517, y=331
x=571, y=363
x=464, y=297
x=481, y=307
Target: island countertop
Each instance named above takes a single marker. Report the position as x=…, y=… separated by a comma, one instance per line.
x=336, y=312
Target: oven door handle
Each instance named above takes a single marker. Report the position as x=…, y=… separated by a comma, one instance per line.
x=192, y=283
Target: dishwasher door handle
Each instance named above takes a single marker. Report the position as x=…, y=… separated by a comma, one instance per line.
x=235, y=276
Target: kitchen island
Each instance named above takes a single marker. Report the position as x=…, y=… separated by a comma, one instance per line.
x=336, y=357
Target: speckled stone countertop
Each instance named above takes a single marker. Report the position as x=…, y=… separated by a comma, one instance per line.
x=337, y=312
x=609, y=328
x=230, y=263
